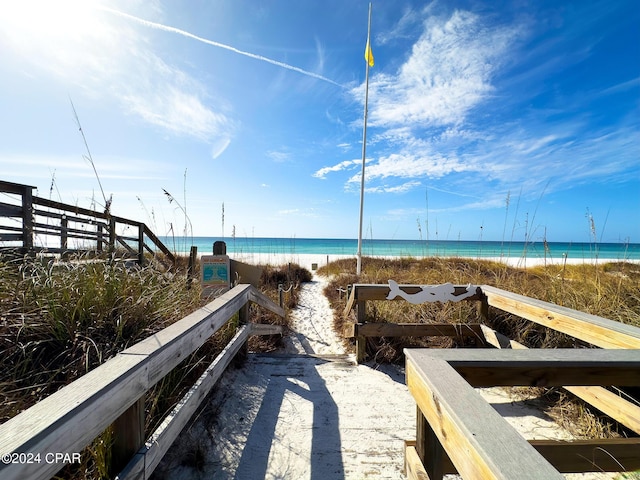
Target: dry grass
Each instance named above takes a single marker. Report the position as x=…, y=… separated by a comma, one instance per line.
x=611, y=291
x=289, y=278
x=58, y=321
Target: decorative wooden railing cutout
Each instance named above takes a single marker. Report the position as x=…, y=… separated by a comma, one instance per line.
x=431, y=293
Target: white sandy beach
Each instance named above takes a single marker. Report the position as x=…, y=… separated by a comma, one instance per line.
x=311, y=412
x=308, y=260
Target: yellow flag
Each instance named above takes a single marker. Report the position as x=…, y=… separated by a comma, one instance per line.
x=368, y=54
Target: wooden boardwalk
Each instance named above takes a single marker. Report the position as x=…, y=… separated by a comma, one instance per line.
x=299, y=417
x=306, y=415
x=311, y=411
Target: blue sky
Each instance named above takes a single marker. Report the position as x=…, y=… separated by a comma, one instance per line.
x=488, y=120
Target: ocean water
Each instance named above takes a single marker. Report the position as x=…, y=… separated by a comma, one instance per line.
x=409, y=248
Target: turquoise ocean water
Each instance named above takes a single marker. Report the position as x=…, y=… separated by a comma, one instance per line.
x=409, y=248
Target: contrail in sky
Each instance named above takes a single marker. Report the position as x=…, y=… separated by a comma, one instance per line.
x=167, y=28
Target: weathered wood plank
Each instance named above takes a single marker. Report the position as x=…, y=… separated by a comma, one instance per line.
x=608, y=402
x=429, y=449
x=611, y=404
x=351, y=302
x=417, y=330
x=265, y=329
x=541, y=367
x=361, y=349
x=498, y=340
x=366, y=292
x=574, y=456
x=598, y=331
x=413, y=468
x=69, y=419
x=9, y=210
x=15, y=188
x=156, y=241
x=128, y=436
x=147, y=459
x=479, y=442
x=601, y=455
x=173, y=344
x=260, y=299
x=363, y=292
x=11, y=237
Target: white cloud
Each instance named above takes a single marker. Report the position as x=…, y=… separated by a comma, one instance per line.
x=219, y=146
x=74, y=166
x=410, y=165
x=177, y=111
x=405, y=187
x=279, y=156
x=420, y=110
x=448, y=73
x=346, y=165
x=107, y=59
x=298, y=212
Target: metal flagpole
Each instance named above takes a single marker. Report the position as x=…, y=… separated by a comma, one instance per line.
x=364, y=146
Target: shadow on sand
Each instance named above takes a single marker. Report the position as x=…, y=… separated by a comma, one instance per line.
x=298, y=376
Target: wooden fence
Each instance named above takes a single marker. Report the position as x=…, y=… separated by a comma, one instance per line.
x=448, y=408
x=113, y=394
x=32, y=224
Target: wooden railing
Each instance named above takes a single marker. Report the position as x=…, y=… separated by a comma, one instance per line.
x=113, y=394
x=457, y=431
x=360, y=294
x=447, y=406
x=33, y=224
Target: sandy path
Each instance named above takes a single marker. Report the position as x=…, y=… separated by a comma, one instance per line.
x=312, y=322
x=311, y=413
x=307, y=413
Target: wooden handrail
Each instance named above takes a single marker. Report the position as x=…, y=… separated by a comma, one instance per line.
x=362, y=292
x=71, y=418
x=455, y=421
x=158, y=243
x=69, y=213
x=598, y=331
x=608, y=402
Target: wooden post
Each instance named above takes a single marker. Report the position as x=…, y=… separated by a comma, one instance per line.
x=100, y=237
x=141, y=243
x=243, y=319
x=128, y=436
x=193, y=258
x=219, y=248
x=361, y=341
x=27, y=219
x=64, y=225
x=483, y=309
x=112, y=235
x=429, y=448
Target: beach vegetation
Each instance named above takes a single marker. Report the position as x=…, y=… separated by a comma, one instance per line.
x=59, y=320
x=608, y=290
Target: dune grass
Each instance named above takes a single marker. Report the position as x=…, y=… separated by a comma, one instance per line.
x=609, y=290
x=59, y=320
